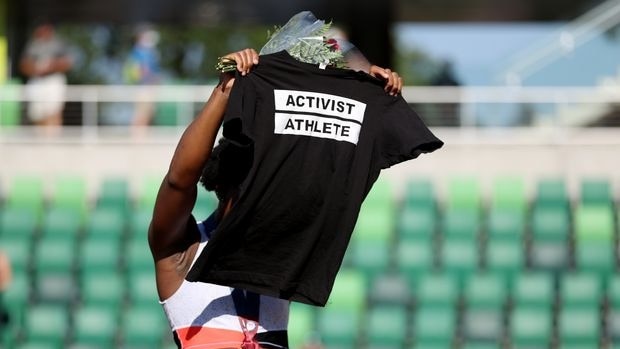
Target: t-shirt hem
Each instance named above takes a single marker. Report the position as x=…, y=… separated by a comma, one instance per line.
x=264, y=285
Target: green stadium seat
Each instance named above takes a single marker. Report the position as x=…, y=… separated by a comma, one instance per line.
x=420, y=193
x=61, y=223
x=550, y=236
x=141, y=287
x=531, y=327
x=414, y=258
x=349, y=291
x=19, y=290
x=595, y=256
x=533, y=289
x=505, y=224
x=70, y=192
x=102, y=288
x=55, y=254
x=551, y=193
x=461, y=224
x=339, y=328
x=550, y=256
x=55, y=287
x=508, y=194
x=95, y=325
x=594, y=223
x=138, y=256
x=375, y=224
x=596, y=192
x=550, y=224
x=339, y=321
x=464, y=193
x=437, y=290
x=19, y=252
x=459, y=258
x=97, y=254
x=87, y=345
x=417, y=223
x=434, y=326
x=390, y=289
x=27, y=192
x=380, y=196
x=15, y=302
x=580, y=290
x=301, y=324
x=114, y=194
x=613, y=321
x=579, y=327
x=139, y=224
x=613, y=292
x=148, y=189
x=143, y=327
x=47, y=323
x=106, y=223
x=484, y=296
x=429, y=344
x=481, y=345
x=505, y=258
x=370, y=257
x=17, y=223
x=485, y=290
x=387, y=326
x=40, y=345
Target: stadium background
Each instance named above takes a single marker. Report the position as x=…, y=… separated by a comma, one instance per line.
x=506, y=238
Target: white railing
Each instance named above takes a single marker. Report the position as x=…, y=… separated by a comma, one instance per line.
x=564, y=41
x=439, y=106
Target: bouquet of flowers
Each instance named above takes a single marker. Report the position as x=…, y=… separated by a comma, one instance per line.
x=304, y=37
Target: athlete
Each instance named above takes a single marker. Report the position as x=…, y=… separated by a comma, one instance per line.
x=204, y=315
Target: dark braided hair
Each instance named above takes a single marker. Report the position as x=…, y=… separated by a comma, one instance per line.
x=226, y=168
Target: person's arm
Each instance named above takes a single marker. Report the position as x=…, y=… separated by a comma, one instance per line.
x=5, y=272
x=29, y=67
x=177, y=193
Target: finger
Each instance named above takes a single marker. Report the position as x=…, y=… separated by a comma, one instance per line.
x=377, y=72
x=247, y=58
x=239, y=60
x=400, y=85
x=254, y=55
x=395, y=87
x=390, y=82
x=384, y=74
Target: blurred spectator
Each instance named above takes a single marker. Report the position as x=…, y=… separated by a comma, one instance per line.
x=142, y=68
x=45, y=63
x=5, y=281
x=449, y=113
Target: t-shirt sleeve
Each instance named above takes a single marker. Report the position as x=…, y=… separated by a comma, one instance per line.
x=239, y=115
x=404, y=135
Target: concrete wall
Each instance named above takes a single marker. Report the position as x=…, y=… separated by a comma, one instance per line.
x=571, y=154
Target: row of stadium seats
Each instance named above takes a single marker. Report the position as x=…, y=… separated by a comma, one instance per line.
x=459, y=271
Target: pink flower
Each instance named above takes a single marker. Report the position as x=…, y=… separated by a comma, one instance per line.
x=333, y=44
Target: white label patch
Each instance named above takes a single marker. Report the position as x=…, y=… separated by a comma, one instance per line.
x=318, y=115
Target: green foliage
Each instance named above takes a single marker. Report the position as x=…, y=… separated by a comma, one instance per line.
x=101, y=50
x=416, y=67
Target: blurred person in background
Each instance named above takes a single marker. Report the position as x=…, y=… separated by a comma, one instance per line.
x=204, y=315
x=142, y=67
x=5, y=281
x=45, y=62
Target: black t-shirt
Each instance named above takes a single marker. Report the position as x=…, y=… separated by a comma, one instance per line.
x=319, y=138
